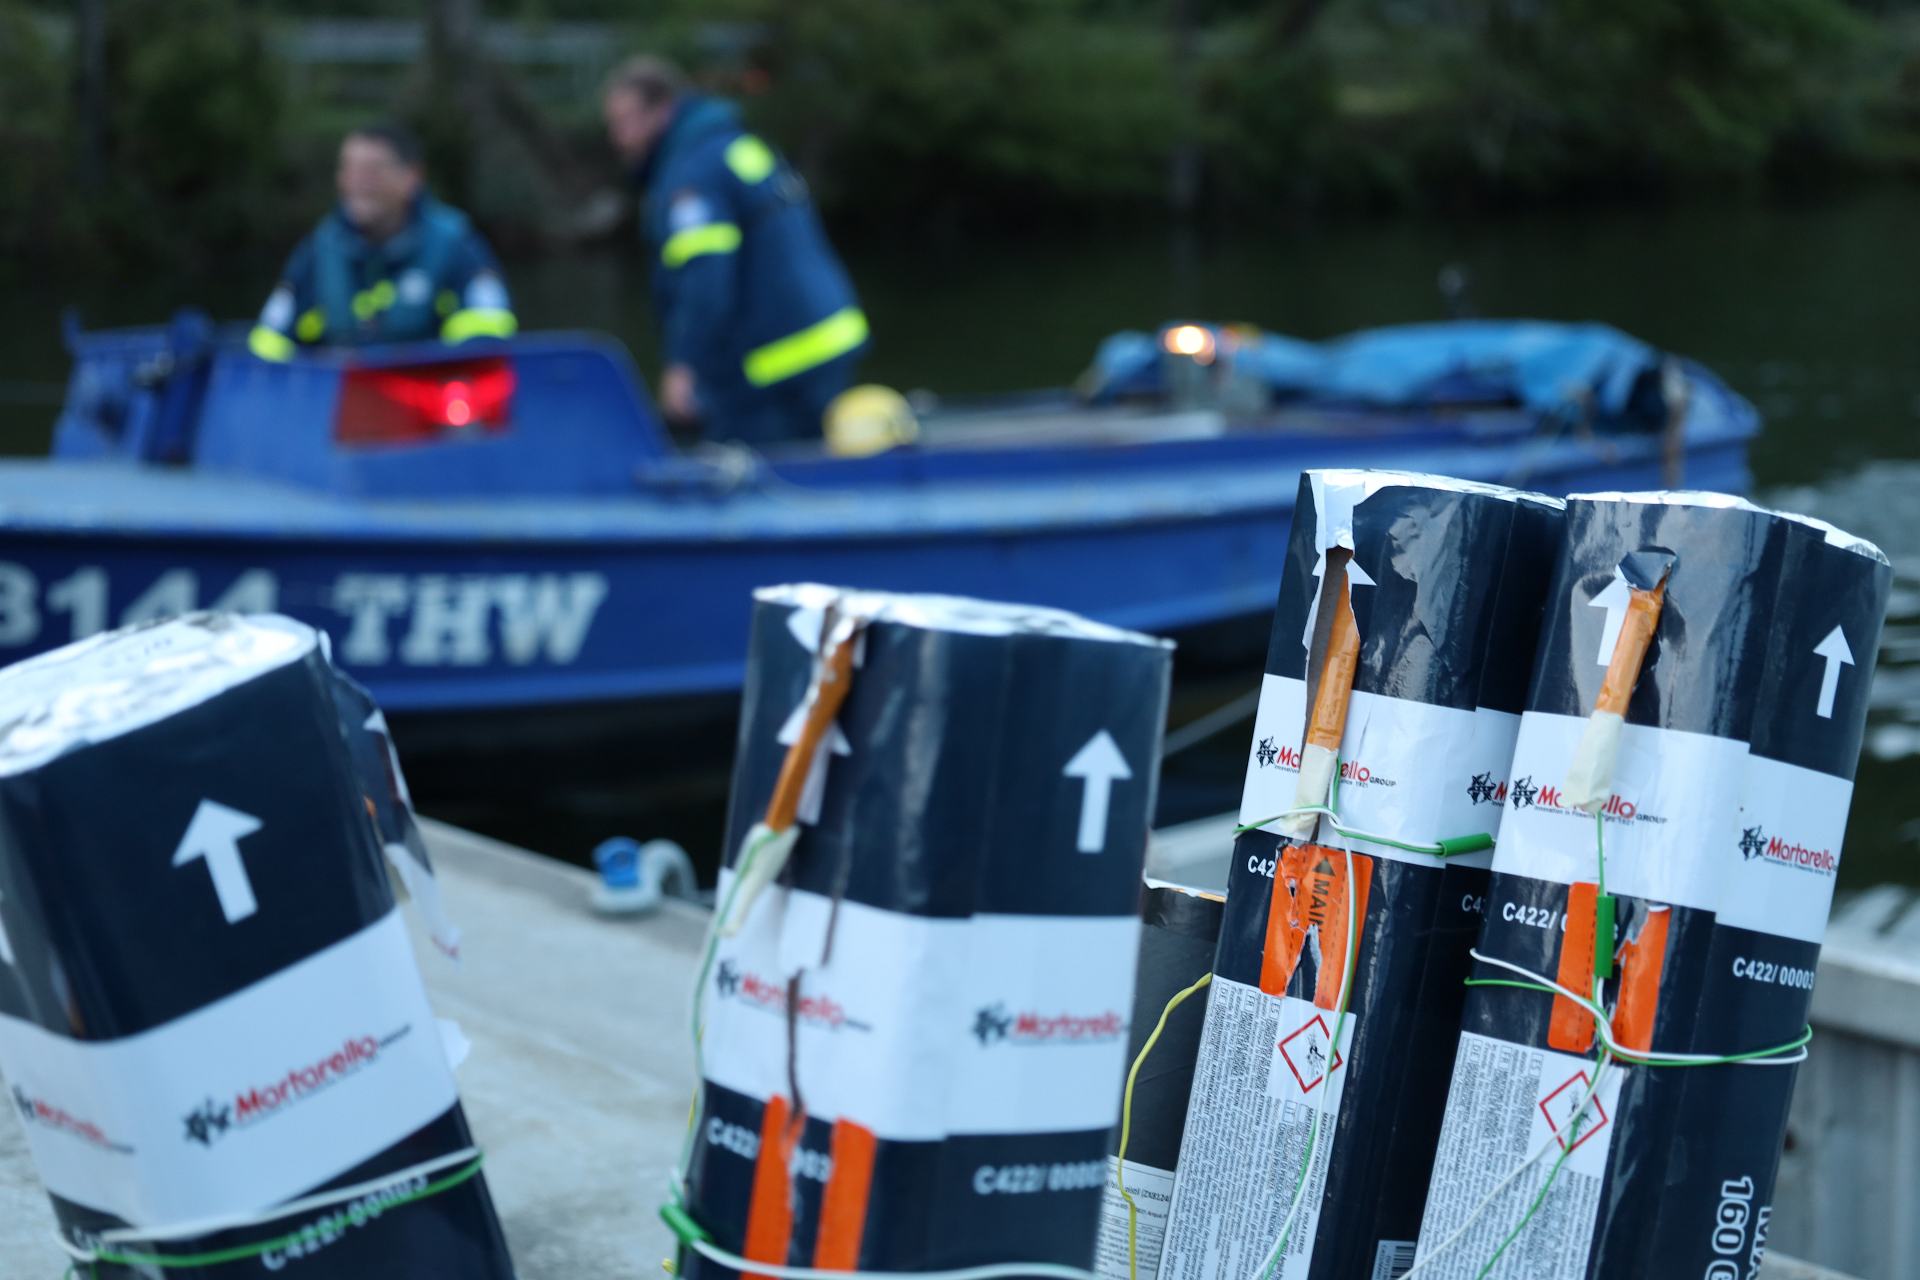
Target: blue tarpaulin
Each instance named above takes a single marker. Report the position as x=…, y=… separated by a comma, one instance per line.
x=1541, y=365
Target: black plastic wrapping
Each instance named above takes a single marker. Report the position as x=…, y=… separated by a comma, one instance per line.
x=125, y=949
x=959, y=932
x=1180, y=929
x=1447, y=600
x=1723, y=831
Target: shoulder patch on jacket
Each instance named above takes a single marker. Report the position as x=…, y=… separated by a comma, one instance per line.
x=278, y=313
x=486, y=292
x=415, y=288
x=750, y=159
x=688, y=209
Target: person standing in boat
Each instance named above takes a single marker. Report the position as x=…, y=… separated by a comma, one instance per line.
x=389, y=263
x=758, y=320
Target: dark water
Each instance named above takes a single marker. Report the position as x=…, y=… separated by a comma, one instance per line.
x=1810, y=309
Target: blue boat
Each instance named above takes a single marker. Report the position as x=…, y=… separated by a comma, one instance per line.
x=507, y=526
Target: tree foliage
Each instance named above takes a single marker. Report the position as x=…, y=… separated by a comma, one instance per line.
x=34, y=126
x=901, y=111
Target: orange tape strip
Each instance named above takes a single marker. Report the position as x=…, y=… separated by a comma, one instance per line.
x=1328, y=723
x=843, y=1209
x=1280, y=953
x=1636, y=634
x=1570, y=1029
x=1326, y=905
x=1321, y=874
x=770, y=1208
x=829, y=694
x=1642, y=962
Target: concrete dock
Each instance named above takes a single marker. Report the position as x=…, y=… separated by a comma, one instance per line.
x=580, y=1075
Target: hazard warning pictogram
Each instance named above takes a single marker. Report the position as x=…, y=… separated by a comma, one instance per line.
x=1560, y=1105
x=1306, y=1053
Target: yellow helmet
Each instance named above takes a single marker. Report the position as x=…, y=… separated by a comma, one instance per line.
x=869, y=419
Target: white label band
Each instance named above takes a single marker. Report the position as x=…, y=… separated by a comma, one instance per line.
x=1691, y=819
x=920, y=1027
x=1408, y=770
x=242, y=1104
x=1778, y=875
x=1152, y=1192
x=1674, y=795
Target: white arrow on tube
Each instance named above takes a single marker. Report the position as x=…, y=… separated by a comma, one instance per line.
x=1834, y=649
x=214, y=835
x=1098, y=765
x=1614, y=598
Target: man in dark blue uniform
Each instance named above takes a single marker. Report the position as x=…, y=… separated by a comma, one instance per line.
x=388, y=264
x=758, y=320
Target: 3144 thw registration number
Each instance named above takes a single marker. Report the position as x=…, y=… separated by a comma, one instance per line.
x=413, y=619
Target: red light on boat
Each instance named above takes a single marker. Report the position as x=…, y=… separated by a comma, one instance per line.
x=458, y=410
x=419, y=403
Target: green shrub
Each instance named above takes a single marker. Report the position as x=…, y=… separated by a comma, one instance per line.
x=34, y=128
x=194, y=125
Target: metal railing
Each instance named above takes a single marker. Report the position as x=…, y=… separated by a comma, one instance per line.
x=1849, y=1189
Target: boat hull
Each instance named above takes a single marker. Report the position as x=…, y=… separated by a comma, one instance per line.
x=597, y=606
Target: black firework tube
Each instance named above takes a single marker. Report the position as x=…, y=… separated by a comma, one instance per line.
x=1180, y=931
x=1665, y=1165
x=210, y=1016
x=914, y=1045
x=1776, y=887
x=1442, y=574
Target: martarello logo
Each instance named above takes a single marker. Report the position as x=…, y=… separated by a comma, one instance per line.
x=1356, y=773
x=214, y=1118
x=1482, y=789
x=1527, y=794
x=47, y=1115
x=994, y=1024
x=1756, y=843
x=731, y=982
x=1269, y=754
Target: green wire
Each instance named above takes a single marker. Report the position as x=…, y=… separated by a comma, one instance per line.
x=1126, y=1121
x=1553, y=1173
x=240, y=1253
x=1600, y=855
x=1431, y=850
x=1801, y=1041
x=722, y=912
x=1804, y=1039
x=1339, y=1025
x=1306, y=1164
x=1475, y=843
x=1607, y=1055
x=1330, y=811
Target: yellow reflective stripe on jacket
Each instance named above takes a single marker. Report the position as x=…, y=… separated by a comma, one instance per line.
x=750, y=159
x=814, y=345
x=369, y=303
x=311, y=325
x=270, y=344
x=479, y=322
x=683, y=247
